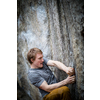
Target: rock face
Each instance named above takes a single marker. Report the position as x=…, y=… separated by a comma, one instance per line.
x=57, y=28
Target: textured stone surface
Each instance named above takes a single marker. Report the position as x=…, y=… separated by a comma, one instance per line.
x=57, y=28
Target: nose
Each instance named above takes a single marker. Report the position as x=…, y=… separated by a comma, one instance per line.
x=42, y=60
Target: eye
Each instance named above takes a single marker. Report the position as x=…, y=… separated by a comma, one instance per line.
x=40, y=58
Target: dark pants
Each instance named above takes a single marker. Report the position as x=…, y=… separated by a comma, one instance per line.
x=62, y=93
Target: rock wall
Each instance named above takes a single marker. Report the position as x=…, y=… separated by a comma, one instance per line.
x=57, y=28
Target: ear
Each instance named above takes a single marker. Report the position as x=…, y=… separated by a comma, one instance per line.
x=32, y=60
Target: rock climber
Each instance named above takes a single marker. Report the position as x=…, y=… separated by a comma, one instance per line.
x=42, y=77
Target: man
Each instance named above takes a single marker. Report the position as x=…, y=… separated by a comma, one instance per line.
x=41, y=76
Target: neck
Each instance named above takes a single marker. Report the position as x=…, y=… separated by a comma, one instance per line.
x=32, y=66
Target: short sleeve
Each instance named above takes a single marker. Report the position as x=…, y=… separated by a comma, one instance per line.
x=36, y=80
x=45, y=60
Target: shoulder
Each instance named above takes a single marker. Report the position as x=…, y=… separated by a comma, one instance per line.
x=32, y=73
x=49, y=62
x=45, y=60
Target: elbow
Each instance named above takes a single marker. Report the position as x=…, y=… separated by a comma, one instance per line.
x=55, y=63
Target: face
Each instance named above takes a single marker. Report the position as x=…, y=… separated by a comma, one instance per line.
x=38, y=62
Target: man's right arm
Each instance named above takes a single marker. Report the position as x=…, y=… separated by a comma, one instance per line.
x=44, y=86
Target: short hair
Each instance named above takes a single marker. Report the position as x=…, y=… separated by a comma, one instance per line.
x=32, y=54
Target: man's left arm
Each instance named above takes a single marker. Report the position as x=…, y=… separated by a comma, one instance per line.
x=69, y=70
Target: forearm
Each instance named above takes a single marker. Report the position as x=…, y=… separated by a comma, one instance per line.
x=60, y=66
x=69, y=80
x=56, y=85
x=69, y=70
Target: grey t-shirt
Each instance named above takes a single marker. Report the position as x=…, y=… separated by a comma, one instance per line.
x=37, y=76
